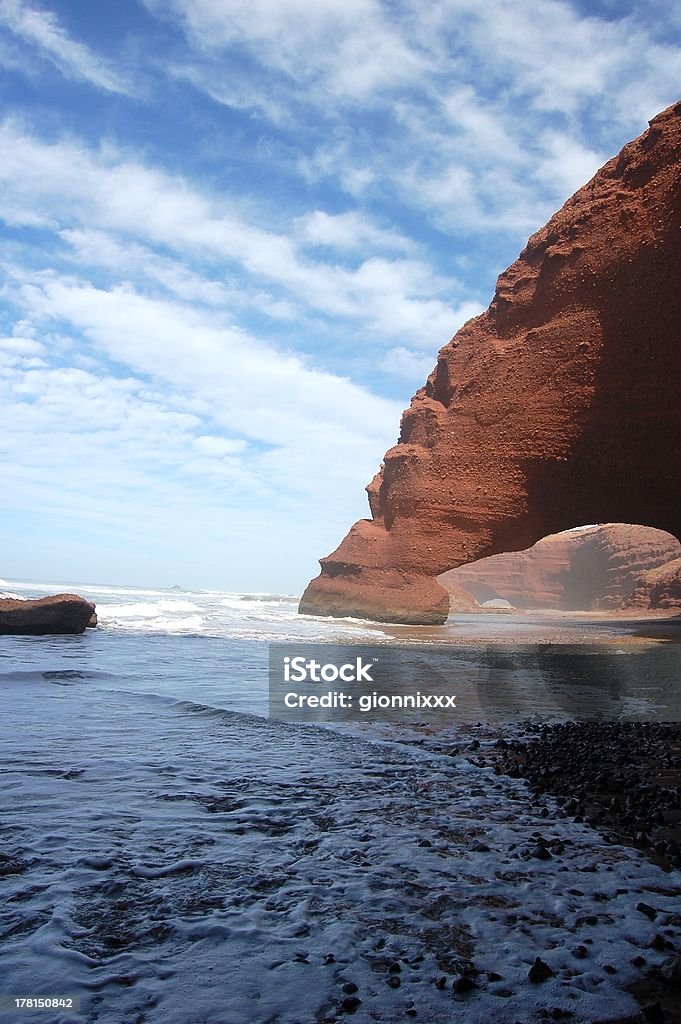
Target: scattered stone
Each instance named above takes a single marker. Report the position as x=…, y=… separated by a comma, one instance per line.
x=351, y=1004
x=645, y=908
x=623, y=777
x=393, y=981
x=671, y=971
x=12, y=864
x=394, y=968
x=350, y=988
x=539, y=972
x=463, y=984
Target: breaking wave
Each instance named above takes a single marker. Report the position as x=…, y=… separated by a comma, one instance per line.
x=230, y=615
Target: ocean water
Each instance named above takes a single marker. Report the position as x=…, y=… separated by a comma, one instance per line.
x=168, y=855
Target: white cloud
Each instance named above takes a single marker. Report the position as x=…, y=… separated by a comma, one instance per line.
x=165, y=448
x=482, y=126
x=567, y=165
x=348, y=47
x=245, y=385
x=403, y=362
x=218, y=447
x=97, y=248
x=62, y=185
x=211, y=79
x=17, y=347
x=348, y=231
x=41, y=30
x=472, y=96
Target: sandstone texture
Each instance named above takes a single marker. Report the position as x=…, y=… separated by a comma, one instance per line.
x=659, y=588
x=601, y=567
x=461, y=600
x=61, y=613
x=557, y=407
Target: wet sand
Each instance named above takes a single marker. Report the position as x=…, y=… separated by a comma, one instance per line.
x=546, y=627
x=623, y=779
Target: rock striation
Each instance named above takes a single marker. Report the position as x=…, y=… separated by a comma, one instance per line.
x=61, y=613
x=558, y=406
x=659, y=588
x=601, y=567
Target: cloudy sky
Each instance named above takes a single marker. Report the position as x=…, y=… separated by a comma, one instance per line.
x=236, y=233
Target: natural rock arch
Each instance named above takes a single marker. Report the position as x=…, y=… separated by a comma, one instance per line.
x=559, y=405
x=590, y=568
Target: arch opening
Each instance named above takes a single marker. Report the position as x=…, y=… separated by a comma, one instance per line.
x=606, y=567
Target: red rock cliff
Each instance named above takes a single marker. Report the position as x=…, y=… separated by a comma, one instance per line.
x=558, y=406
x=600, y=567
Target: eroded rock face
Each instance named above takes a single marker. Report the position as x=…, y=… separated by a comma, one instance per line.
x=601, y=567
x=558, y=406
x=659, y=588
x=61, y=613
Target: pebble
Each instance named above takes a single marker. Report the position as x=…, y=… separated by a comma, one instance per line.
x=671, y=971
x=539, y=972
x=463, y=984
x=624, y=777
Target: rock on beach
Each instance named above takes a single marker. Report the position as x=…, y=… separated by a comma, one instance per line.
x=58, y=614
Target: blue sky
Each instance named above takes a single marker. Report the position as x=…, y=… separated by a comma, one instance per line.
x=235, y=235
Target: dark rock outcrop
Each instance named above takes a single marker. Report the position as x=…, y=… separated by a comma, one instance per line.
x=61, y=613
x=601, y=567
x=558, y=406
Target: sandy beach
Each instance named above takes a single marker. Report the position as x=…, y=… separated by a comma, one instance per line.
x=546, y=627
